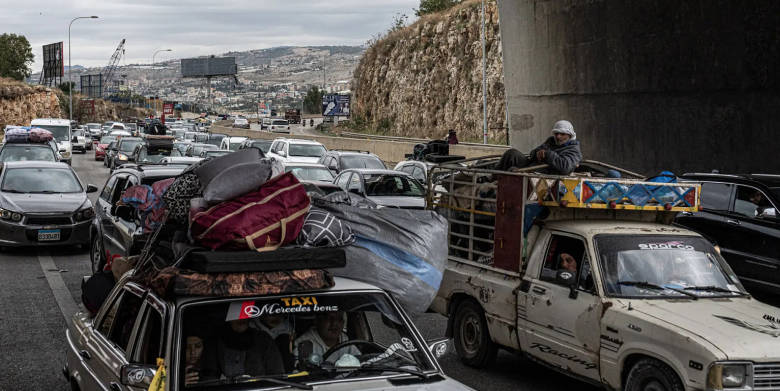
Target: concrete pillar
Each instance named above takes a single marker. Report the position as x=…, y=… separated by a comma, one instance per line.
x=682, y=85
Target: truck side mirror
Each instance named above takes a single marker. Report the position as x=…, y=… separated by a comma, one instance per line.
x=74, y=139
x=568, y=278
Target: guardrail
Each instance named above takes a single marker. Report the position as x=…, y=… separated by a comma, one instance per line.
x=412, y=140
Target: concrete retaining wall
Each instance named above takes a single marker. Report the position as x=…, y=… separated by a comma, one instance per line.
x=388, y=151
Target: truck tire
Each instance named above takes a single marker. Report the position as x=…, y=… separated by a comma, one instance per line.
x=652, y=375
x=472, y=338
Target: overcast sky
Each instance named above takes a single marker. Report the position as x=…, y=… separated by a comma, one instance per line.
x=193, y=27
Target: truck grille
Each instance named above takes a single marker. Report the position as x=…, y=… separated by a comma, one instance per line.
x=766, y=376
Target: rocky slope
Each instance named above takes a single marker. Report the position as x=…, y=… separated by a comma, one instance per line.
x=20, y=103
x=426, y=78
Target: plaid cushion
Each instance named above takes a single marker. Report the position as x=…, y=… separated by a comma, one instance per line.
x=322, y=229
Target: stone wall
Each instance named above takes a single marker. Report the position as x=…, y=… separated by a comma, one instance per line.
x=21, y=103
x=427, y=78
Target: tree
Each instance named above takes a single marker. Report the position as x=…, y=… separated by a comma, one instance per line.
x=312, y=104
x=66, y=86
x=16, y=56
x=433, y=6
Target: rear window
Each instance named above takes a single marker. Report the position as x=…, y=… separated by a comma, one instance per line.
x=303, y=150
x=20, y=153
x=361, y=161
x=280, y=122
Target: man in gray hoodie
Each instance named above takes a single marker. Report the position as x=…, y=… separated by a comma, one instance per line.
x=561, y=152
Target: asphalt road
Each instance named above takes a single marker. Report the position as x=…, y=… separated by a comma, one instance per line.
x=296, y=129
x=32, y=325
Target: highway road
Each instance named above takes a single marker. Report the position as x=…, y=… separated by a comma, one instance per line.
x=41, y=289
x=296, y=129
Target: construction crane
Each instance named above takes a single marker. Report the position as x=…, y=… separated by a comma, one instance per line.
x=108, y=71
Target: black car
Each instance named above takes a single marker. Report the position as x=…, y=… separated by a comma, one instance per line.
x=263, y=145
x=739, y=213
x=339, y=160
x=123, y=152
x=114, y=234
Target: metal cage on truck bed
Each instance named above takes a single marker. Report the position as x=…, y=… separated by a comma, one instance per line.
x=487, y=209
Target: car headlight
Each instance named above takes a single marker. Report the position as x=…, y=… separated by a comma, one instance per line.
x=722, y=376
x=85, y=214
x=65, y=155
x=8, y=215
x=122, y=157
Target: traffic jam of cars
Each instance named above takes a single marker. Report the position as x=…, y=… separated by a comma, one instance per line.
x=221, y=261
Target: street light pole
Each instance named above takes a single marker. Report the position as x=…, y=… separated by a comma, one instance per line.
x=484, y=79
x=154, y=72
x=70, y=85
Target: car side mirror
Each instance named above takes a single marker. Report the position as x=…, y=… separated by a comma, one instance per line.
x=568, y=278
x=124, y=212
x=138, y=375
x=767, y=212
x=91, y=188
x=333, y=167
x=282, y=153
x=74, y=139
x=439, y=346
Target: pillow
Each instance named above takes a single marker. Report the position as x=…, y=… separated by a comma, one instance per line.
x=236, y=181
x=209, y=170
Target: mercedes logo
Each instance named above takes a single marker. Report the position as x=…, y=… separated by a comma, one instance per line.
x=251, y=311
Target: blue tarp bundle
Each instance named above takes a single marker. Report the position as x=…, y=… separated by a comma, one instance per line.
x=401, y=251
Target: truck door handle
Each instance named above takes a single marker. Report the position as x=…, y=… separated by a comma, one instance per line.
x=733, y=222
x=538, y=290
x=115, y=386
x=85, y=354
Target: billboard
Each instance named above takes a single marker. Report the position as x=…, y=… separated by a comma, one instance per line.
x=92, y=85
x=204, y=67
x=335, y=105
x=168, y=109
x=88, y=107
x=53, y=66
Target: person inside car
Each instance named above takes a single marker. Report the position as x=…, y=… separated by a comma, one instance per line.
x=241, y=350
x=567, y=262
x=327, y=333
x=278, y=328
x=561, y=152
x=195, y=340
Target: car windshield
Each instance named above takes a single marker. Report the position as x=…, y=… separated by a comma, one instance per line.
x=264, y=146
x=654, y=266
x=41, y=180
x=189, y=136
x=107, y=139
x=234, y=145
x=311, y=173
x=197, y=149
x=17, y=153
x=306, y=150
x=392, y=185
x=78, y=133
x=215, y=153
x=280, y=122
x=60, y=133
x=128, y=145
x=154, y=155
x=182, y=147
x=361, y=161
x=93, y=126
x=367, y=326
x=216, y=139
x=131, y=126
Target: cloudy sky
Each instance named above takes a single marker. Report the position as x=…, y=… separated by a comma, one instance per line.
x=193, y=27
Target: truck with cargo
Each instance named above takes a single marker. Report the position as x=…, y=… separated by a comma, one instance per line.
x=586, y=275
x=293, y=116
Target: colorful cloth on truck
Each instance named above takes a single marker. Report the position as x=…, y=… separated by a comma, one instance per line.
x=174, y=281
x=149, y=202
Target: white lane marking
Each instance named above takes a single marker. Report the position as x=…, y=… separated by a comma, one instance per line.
x=61, y=293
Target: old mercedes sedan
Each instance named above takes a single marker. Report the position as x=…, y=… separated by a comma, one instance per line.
x=43, y=203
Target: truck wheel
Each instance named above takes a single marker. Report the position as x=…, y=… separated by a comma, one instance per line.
x=652, y=375
x=96, y=255
x=472, y=338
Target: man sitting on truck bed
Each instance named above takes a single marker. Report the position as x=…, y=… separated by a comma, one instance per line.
x=561, y=152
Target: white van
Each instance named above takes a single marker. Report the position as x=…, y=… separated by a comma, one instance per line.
x=60, y=129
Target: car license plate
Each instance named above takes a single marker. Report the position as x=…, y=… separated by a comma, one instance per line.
x=46, y=235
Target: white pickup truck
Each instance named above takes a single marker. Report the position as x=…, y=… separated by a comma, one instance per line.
x=600, y=287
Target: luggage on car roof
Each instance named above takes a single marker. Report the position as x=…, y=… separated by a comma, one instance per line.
x=282, y=259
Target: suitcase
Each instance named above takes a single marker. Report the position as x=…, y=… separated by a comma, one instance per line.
x=263, y=220
x=17, y=135
x=283, y=259
x=38, y=135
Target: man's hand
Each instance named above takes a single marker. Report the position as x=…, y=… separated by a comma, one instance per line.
x=191, y=377
x=540, y=155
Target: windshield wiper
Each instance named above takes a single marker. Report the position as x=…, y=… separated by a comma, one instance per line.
x=645, y=284
x=15, y=191
x=275, y=379
x=713, y=288
x=385, y=368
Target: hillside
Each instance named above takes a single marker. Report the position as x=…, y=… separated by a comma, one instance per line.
x=426, y=78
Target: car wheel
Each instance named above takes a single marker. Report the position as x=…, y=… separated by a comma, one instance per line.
x=472, y=338
x=74, y=386
x=96, y=255
x=652, y=375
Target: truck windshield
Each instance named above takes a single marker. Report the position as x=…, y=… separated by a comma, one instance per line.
x=652, y=266
x=266, y=338
x=60, y=133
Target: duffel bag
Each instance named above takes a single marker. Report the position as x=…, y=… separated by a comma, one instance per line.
x=263, y=220
x=38, y=135
x=17, y=135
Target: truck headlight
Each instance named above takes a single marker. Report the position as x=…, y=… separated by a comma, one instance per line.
x=723, y=376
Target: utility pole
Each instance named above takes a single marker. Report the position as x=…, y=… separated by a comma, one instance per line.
x=484, y=79
x=323, y=72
